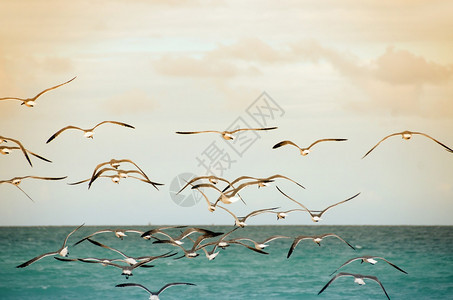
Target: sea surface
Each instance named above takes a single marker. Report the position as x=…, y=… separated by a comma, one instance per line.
x=424, y=252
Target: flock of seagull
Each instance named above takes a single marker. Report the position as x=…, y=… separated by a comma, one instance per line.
x=207, y=241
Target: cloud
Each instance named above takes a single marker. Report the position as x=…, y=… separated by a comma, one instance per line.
x=397, y=82
x=404, y=67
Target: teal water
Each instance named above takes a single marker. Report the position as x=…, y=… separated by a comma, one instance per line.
x=425, y=252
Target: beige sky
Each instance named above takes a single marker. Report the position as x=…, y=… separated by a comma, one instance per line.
x=347, y=69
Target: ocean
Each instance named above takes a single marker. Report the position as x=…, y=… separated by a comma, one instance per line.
x=424, y=252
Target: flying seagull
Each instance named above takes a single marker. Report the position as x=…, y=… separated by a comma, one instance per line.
x=407, y=135
x=17, y=180
x=126, y=270
x=305, y=151
x=89, y=132
x=24, y=151
x=30, y=102
x=315, y=238
x=114, y=163
x=119, y=233
x=240, y=221
x=263, y=244
x=227, y=135
x=368, y=259
x=316, y=217
x=154, y=295
x=358, y=278
x=63, y=251
x=125, y=174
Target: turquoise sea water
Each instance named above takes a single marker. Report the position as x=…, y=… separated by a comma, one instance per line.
x=425, y=252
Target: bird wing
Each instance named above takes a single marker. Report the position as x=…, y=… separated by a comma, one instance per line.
x=61, y=130
x=195, y=132
x=333, y=278
x=325, y=209
x=334, y=235
x=248, y=247
x=154, y=184
x=171, y=284
x=67, y=237
x=38, y=156
x=113, y=122
x=378, y=281
x=283, y=143
x=284, y=177
x=134, y=284
x=12, y=98
x=27, y=263
x=199, y=178
x=234, y=216
x=346, y=263
x=52, y=88
x=393, y=265
x=98, y=174
x=94, y=233
x=393, y=134
x=24, y=192
x=243, y=129
x=296, y=242
x=303, y=206
x=443, y=145
x=46, y=178
x=107, y=247
x=326, y=140
x=274, y=237
x=257, y=212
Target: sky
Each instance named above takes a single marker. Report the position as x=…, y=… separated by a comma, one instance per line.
x=337, y=69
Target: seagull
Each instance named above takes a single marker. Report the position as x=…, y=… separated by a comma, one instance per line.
x=227, y=135
x=89, y=132
x=262, y=182
x=358, y=278
x=240, y=222
x=24, y=151
x=125, y=174
x=102, y=261
x=30, y=102
x=406, y=135
x=119, y=233
x=17, y=180
x=316, y=217
x=316, y=238
x=153, y=295
x=305, y=151
x=368, y=259
x=63, y=251
x=284, y=214
x=126, y=269
x=263, y=244
x=115, y=163
x=7, y=150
